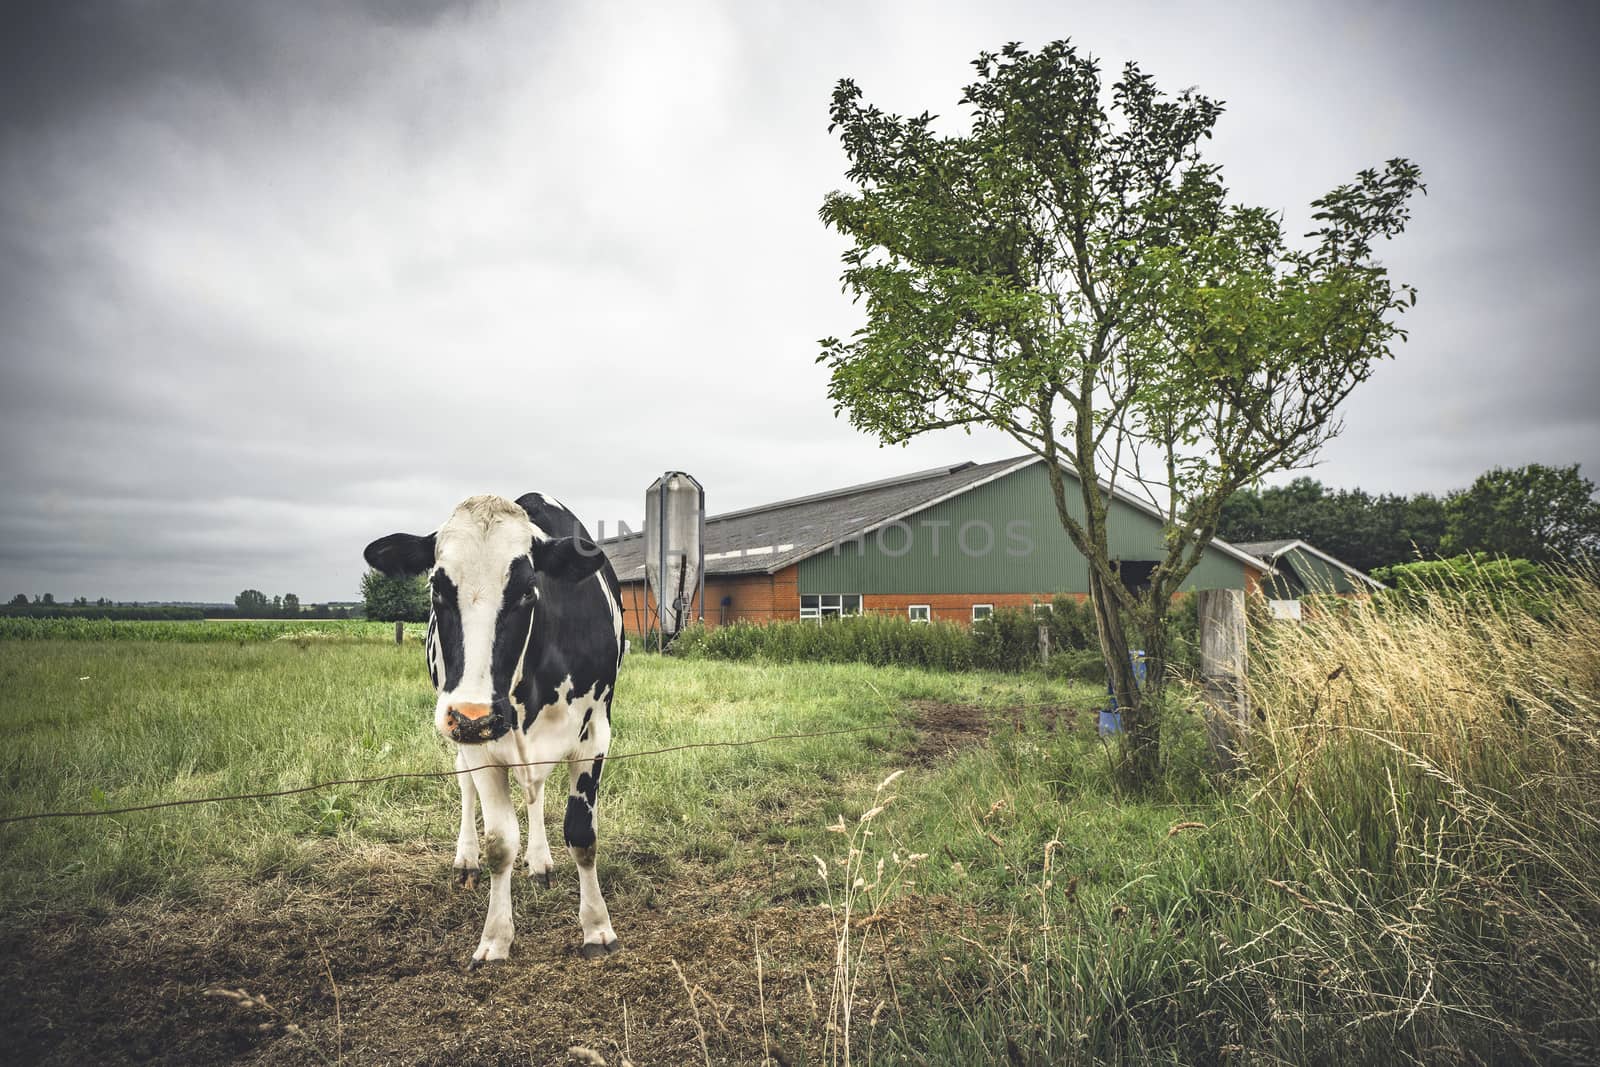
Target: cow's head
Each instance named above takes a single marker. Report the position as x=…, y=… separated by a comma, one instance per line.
x=481, y=567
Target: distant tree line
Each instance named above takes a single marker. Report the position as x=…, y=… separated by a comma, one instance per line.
x=45, y=607
x=250, y=604
x=1537, y=513
x=253, y=604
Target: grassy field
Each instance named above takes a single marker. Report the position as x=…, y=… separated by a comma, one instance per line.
x=1404, y=874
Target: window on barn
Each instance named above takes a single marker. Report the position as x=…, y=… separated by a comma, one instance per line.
x=1041, y=610
x=1135, y=573
x=982, y=611
x=919, y=613
x=829, y=605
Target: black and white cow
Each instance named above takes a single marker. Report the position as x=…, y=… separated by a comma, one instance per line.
x=524, y=642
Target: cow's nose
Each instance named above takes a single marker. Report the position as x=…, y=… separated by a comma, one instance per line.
x=467, y=712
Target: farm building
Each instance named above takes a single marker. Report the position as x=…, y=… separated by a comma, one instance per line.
x=1302, y=569
x=948, y=543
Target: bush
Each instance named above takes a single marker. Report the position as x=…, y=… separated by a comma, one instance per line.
x=1006, y=641
x=877, y=639
x=395, y=599
x=1481, y=580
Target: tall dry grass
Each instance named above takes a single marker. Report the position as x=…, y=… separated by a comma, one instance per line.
x=1427, y=790
x=1405, y=870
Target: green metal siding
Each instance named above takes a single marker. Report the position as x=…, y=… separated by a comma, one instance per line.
x=1301, y=573
x=1028, y=552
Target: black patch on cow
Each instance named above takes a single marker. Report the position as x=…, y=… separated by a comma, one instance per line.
x=567, y=559
x=583, y=727
x=446, y=623
x=578, y=827
x=400, y=554
x=511, y=626
x=428, y=650
x=589, y=782
x=573, y=628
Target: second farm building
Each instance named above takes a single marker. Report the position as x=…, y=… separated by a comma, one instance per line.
x=950, y=543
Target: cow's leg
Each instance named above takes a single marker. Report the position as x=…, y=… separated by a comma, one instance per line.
x=466, y=862
x=540, y=862
x=500, y=840
x=580, y=828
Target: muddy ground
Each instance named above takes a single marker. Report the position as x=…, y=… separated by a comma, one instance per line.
x=366, y=967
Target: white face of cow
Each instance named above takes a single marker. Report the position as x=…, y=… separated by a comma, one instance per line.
x=484, y=567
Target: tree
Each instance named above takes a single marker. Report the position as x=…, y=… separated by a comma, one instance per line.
x=20, y=600
x=1360, y=529
x=1070, y=272
x=395, y=599
x=252, y=604
x=1544, y=514
x=291, y=604
x=48, y=599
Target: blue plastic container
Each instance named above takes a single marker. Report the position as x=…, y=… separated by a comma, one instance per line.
x=1110, y=717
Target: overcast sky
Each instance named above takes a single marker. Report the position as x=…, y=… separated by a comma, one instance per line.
x=279, y=278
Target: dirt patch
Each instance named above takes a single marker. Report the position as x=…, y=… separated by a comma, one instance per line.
x=944, y=729
x=131, y=986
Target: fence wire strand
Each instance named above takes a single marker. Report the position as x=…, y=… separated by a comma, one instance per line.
x=37, y=816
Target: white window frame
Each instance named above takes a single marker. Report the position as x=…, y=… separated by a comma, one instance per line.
x=829, y=605
x=988, y=610
x=926, y=609
x=1043, y=609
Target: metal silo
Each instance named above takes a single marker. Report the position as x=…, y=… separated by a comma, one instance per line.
x=674, y=538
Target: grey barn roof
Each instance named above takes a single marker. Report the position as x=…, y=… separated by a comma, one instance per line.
x=766, y=539
x=1269, y=551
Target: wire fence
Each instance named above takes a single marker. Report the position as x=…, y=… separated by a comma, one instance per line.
x=91, y=813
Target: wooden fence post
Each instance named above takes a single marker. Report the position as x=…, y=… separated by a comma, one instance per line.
x=1223, y=649
x=1044, y=644
x=399, y=632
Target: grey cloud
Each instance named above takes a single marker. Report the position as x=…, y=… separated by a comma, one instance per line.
x=277, y=279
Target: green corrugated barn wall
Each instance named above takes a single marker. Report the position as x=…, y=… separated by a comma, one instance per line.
x=1300, y=574
x=1029, y=552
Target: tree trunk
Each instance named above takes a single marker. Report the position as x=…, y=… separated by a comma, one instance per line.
x=1141, y=738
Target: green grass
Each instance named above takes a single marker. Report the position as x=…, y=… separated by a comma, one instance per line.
x=1405, y=873
x=114, y=724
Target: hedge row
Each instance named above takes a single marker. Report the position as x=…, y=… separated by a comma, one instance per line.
x=1006, y=641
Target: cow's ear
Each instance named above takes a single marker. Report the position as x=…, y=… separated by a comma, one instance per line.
x=567, y=559
x=401, y=555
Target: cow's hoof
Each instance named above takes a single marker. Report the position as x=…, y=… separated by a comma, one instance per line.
x=476, y=964
x=544, y=879
x=593, y=951
x=467, y=877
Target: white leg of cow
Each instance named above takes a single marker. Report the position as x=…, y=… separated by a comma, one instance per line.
x=500, y=840
x=466, y=862
x=540, y=862
x=581, y=829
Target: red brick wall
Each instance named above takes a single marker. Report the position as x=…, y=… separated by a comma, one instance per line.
x=764, y=597
x=754, y=598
